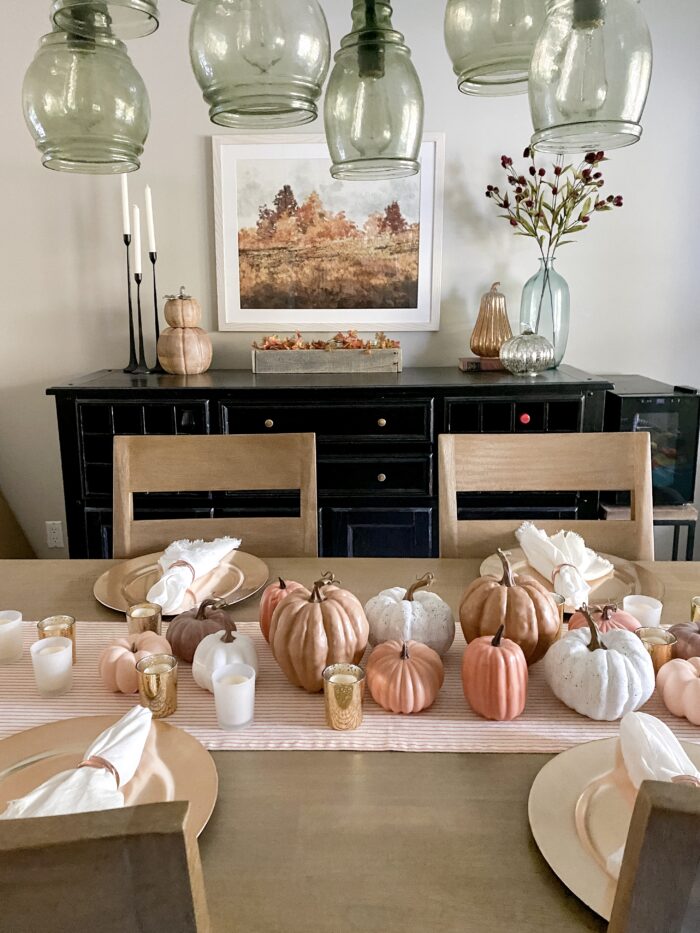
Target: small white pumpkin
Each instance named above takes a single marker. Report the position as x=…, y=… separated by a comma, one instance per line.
x=219, y=649
x=600, y=676
x=414, y=614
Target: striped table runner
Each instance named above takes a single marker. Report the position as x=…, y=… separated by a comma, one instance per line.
x=288, y=718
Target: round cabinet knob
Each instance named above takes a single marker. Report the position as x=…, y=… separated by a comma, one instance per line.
x=524, y=418
x=269, y=423
x=381, y=422
x=381, y=478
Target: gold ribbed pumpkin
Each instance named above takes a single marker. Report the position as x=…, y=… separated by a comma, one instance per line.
x=492, y=327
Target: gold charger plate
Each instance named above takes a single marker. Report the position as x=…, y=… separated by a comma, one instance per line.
x=579, y=814
x=626, y=578
x=238, y=576
x=174, y=765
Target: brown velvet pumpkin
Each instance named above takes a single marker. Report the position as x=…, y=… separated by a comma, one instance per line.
x=687, y=640
x=404, y=677
x=117, y=664
x=521, y=603
x=309, y=631
x=187, y=629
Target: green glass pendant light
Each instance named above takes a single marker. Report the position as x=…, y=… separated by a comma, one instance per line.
x=260, y=63
x=374, y=103
x=129, y=19
x=84, y=102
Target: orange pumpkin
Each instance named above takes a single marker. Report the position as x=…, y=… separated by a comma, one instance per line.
x=522, y=604
x=494, y=677
x=404, y=677
x=607, y=618
x=309, y=631
x=117, y=663
x=272, y=596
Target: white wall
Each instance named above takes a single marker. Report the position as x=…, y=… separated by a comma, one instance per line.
x=633, y=276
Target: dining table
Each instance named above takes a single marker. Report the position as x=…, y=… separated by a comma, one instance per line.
x=371, y=841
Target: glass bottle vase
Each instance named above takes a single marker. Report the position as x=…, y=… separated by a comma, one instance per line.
x=544, y=307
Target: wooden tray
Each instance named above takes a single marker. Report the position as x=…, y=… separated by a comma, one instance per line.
x=239, y=576
x=327, y=361
x=625, y=580
x=174, y=765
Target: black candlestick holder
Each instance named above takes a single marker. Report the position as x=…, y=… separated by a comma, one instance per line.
x=132, y=364
x=153, y=256
x=141, y=366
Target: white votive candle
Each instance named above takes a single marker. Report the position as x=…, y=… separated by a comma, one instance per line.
x=10, y=636
x=52, y=660
x=645, y=609
x=343, y=679
x=234, y=695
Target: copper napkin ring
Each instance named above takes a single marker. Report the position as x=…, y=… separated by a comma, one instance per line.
x=95, y=761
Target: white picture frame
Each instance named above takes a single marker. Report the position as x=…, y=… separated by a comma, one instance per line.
x=246, y=157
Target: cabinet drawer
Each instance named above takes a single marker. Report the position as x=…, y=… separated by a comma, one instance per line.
x=509, y=415
x=392, y=475
x=375, y=421
x=393, y=532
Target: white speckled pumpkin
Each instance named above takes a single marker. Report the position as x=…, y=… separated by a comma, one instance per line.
x=600, y=676
x=414, y=614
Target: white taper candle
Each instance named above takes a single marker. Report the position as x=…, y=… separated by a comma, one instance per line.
x=150, y=227
x=125, y=206
x=137, y=241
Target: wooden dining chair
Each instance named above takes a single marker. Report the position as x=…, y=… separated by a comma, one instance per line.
x=546, y=463
x=659, y=886
x=131, y=870
x=219, y=463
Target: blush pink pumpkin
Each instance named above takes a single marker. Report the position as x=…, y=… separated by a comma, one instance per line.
x=607, y=618
x=404, y=677
x=117, y=664
x=678, y=682
x=494, y=677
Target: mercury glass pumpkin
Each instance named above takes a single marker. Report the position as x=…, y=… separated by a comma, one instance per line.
x=129, y=19
x=490, y=43
x=527, y=354
x=492, y=327
x=373, y=110
x=589, y=75
x=260, y=63
x=85, y=104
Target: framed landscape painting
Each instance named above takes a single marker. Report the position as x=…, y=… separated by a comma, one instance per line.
x=298, y=249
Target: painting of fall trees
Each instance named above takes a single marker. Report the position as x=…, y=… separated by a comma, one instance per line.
x=301, y=253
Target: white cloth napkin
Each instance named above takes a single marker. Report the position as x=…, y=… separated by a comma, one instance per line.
x=650, y=752
x=564, y=560
x=198, y=557
x=84, y=789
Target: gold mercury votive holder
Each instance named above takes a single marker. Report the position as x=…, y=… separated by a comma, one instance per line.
x=343, y=689
x=659, y=643
x=58, y=627
x=144, y=617
x=695, y=609
x=158, y=684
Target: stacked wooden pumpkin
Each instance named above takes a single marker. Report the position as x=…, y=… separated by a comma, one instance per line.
x=183, y=347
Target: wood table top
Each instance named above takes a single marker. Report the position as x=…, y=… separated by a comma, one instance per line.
x=339, y=842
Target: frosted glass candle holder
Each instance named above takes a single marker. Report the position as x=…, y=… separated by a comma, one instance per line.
x=52, y=660
x=11, y=640
x=234, y=696
x=645, y=609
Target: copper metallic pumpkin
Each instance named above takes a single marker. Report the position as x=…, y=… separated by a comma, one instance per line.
x=272, y=596
x=404, y=677
x=494, y=677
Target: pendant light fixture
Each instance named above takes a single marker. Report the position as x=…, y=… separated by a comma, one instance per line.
x=129, y=19
x=260, y=63
x=590, y=75
x=374, y=103
x=84, y=102
x=490, y=43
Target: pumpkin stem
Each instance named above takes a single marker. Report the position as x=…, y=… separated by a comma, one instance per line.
x=316, y=593
x=207, y=604
x=420, y=582
x=283, y=585
x=595, y=643
x=496, y=641
x=328, y=578
x=508, y=579
x=404, y=652
x=606, y=611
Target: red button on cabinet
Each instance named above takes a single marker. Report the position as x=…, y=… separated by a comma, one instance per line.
x=524, y=418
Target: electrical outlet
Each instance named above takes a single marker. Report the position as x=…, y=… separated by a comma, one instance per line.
x=54, y=534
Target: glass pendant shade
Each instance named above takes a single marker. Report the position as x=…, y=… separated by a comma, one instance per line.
x=374, y=102
x=129, y=19
x=85, y=104
x=490, y=43
x=590, y=75
x=260, y=63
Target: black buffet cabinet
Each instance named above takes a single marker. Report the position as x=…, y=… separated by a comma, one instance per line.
x=376, y=438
